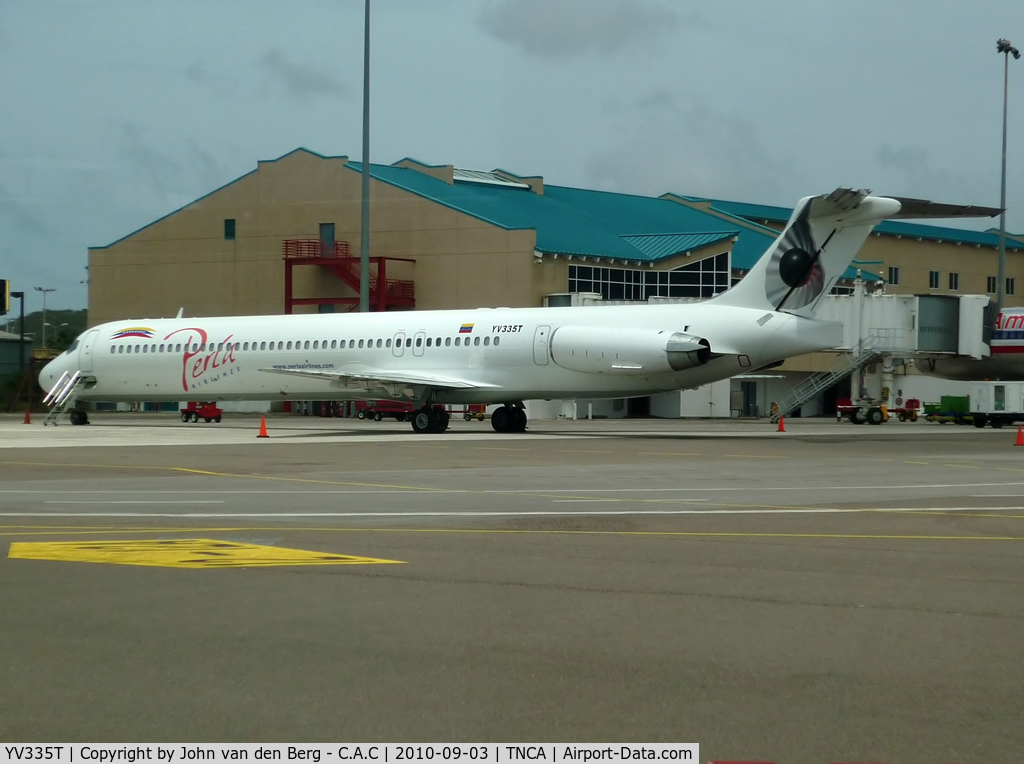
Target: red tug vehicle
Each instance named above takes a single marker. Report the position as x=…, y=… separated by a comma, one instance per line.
x=208, y=412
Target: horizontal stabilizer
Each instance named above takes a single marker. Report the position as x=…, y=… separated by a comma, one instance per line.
x=922, y=208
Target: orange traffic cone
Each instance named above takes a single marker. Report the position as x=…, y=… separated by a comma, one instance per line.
x=782, y=424
x=263, y=428
x=1020, y=435
x=28, y=416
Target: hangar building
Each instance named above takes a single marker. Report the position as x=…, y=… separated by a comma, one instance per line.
x=285, y=238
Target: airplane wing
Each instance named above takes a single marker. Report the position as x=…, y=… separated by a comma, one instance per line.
x=384, y=383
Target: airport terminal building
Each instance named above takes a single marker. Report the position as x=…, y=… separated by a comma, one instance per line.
x=285, y=238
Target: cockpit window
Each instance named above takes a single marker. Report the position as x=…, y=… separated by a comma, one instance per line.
x=72, y=346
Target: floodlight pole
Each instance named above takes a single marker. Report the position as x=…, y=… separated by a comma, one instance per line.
x=1004, y=47
x=45, y=291
x=21, y=343
x=364, y=227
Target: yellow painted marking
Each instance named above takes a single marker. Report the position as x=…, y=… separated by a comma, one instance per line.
x=181, y=553
x=966, y=466
x=582, y=451
x=757, y=456
x=496, y=448
x=907, y=461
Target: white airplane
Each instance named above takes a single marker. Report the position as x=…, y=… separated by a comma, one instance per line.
x=493, y=355
x=1006, y=363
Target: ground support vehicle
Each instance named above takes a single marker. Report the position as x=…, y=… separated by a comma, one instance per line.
x=906, y=409
x=997, y=403
x=208, y=412
x=377, y=410
x=472, y=411
x=950, y=408
x=862, y=410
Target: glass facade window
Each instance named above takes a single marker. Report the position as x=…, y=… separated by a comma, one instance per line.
x=1010, y=286
x=894, y=275
x=990, y=284
x=954, y=282
x=704, y=278
x=933, y=280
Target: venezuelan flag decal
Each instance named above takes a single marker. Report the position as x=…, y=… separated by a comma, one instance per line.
x=133, y=331
x=467, y=329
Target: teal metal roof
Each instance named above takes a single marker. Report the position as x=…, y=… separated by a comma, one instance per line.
x=889, y=227
x=660, y=245
x=574, y=221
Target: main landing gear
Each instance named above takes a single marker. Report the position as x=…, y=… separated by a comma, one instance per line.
x=430, y=419
x=509, y=419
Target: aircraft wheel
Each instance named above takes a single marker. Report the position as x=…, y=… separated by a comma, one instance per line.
x=501, y=419
x=378, y=416
x=443, y=418
x=184, y=416
x=424, y=420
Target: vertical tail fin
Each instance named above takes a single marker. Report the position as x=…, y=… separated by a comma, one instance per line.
x=817, y=245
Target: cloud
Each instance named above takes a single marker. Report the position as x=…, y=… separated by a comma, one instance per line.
x=199, y=73
x=299, y=81
x=913, y=166
x=571, y=28
x=21, y=218
x=162, y=173
x=687, y=147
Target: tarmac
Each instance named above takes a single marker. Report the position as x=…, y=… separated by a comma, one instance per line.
x=831, y=593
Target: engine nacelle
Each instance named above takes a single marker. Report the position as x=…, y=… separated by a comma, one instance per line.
x=597, y=350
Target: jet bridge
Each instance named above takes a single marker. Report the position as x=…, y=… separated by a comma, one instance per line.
x=891, y=328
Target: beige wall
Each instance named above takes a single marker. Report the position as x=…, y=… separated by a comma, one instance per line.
x=183, y=261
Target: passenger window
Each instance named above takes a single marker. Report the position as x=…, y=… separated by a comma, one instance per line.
x=360, y=343
x=487, y=341
x=408, y=342
x=316, y=344
x=496, y=340
x=351, y=343
x=430, y=341
x=476, y=341
x=378, y=343
x=161, y=348
x=145, y=348
x=458, y=341
x=120, y=348
x=323, y=345
x=289, y=344
x=263, y=346
x=387, y=344
x=447, y=341
x=307, y=345
x=438, y=342
x=334, y=344
x=113, y=349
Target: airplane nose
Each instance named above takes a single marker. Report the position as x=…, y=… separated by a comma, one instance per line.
x=50, y=373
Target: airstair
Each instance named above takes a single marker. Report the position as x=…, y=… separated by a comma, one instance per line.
x=844, y=366
x=62, y=397
x=878, y=342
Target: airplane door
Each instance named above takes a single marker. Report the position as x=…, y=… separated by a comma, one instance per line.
x=417, y=343
x=85, y=352
x=399, y=348
x=541, y=339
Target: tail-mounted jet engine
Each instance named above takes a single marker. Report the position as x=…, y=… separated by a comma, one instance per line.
x=597, y=350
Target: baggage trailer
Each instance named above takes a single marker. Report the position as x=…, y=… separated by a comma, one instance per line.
x=377, y=410
x=950, y=408
x=997, y=403
x=862, y=410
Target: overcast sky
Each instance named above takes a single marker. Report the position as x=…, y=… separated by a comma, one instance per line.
x=116, y=112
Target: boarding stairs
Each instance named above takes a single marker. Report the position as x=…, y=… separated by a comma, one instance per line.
x=61, y=397
x=877, y=343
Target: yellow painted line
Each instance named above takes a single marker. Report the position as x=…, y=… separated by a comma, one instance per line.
x=181, y=553
x=496, y=448
x=539, y=532
x=965, y=466
x=316, y=482
x=907, y=461
x=756, y=456
x=582, y=451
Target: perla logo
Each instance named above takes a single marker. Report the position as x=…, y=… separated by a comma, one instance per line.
x=133, y=331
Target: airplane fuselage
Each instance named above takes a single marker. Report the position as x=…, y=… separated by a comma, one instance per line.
x=495, y=355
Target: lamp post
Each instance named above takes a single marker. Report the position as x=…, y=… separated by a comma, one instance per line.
x=1006, y=49
x=21, y=331
x=44, y=290
x=364, y=226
